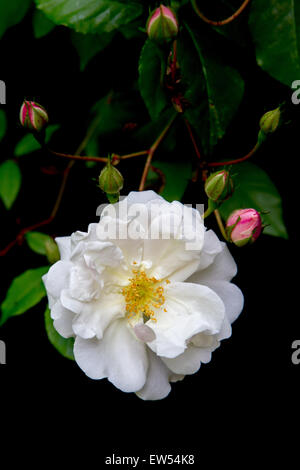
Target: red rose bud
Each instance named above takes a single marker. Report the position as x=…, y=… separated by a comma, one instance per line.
x=270, y=121
x=33, y=116
x=219, y=186
x=244, y=226
x=162, y=25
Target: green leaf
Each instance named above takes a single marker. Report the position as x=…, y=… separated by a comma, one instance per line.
x=26, y=145
x=11, y=13
x=37, y=242
x=177, y=176
x=41, y=24
x=213, y=88
x=90, y=16
x=254, y=189
x=275, y=28
x=112, y=112
x=3, y=124
x=10, y=182
x=63, y=345
x=25, y=291
x=29, y=144
x=88, y=45
x=151, y=75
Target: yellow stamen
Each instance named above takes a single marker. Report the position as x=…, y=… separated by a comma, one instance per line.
x=142, y=294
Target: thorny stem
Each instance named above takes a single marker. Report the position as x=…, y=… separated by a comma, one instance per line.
x=222, y=22
x=201, y=162
x=197, y=151
x=237, y=160
x=220, y=224
x=152, y=151
x=78, y=157
x=115, y=158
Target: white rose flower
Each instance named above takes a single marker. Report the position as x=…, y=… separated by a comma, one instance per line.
x=148, y=307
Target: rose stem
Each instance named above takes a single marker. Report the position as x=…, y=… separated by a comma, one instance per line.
x=222, y=22
x=152, y=151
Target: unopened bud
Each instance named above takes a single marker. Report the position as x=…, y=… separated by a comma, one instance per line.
x=33, y=116
x=162, y=25
x=110, y=180
x=244, y=226
x=270, y=121
x=52, y=251
x=219, y=186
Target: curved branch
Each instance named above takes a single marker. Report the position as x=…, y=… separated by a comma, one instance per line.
x=237, y=160
x=222, y=22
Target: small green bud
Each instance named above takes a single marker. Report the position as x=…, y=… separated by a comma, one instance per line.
x=162, y=25
x=110, y=180
x=52, y=251
x=219, y=186
x=270, y=121
x=113, y=198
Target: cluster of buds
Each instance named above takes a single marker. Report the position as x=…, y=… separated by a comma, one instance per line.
x=111, y=181
x=244, y=226
x=162, y=25
x=33, y=116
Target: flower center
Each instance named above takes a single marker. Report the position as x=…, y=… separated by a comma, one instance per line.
x=142, y=295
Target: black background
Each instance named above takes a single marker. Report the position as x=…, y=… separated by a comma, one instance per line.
x=246, y=398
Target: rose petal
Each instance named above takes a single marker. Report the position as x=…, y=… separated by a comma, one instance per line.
x=223, y=268
x=157, y=383
x=190, y=309
x=118, y=356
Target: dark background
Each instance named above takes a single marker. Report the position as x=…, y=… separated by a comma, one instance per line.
x=247, y=397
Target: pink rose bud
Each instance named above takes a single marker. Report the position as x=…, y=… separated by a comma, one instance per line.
x=244, y=226
x=162, y=25
x=33, y=116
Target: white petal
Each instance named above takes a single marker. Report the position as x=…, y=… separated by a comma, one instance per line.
x=57, y=278
x=157, y=384
x=176, y=377
x=223, y=268
x=122, y=234
x=188, y=362
x=190, y=309
x=171, y=260
x=63, y=319
x=118, y=356
x=51, y=299
x=142, y=197
x=211, y=248
x=231, y=295
x=78, y=236
x=64, y=246
x=98, y=255
x=173, y=228
x=93, y=317
x=84, y=285
x=225, y=331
